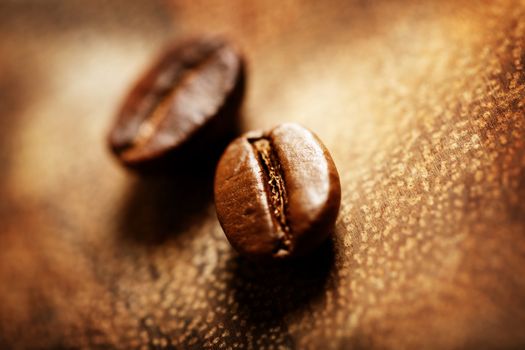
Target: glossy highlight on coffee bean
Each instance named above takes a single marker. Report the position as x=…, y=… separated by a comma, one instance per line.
x=186, y=101
x=277, y=193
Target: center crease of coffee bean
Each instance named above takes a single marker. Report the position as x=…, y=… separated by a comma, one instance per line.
x=159, y=110
x=276, y=190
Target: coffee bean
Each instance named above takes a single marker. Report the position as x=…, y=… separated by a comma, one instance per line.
x=185, y=102
x=277, y=194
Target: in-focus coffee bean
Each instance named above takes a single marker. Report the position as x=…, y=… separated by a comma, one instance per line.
x=277, y=194
x=185, y=102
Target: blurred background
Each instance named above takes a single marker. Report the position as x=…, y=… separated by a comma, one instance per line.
x=419, y=102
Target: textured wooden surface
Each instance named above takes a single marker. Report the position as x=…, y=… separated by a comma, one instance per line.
x=421, y=104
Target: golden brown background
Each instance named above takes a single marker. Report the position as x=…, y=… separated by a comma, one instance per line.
x=421, y=104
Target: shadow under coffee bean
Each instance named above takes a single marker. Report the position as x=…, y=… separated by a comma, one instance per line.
x=157, y=209
x=184, y=108
x=277, y=194
x=267, y=294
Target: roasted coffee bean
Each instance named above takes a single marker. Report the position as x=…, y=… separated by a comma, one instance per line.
x=277, y=194
x=185, y=102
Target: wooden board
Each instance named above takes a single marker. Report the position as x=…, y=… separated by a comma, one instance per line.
x=421, y=104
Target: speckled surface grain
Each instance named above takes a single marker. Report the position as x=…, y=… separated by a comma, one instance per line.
x=421, y=104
